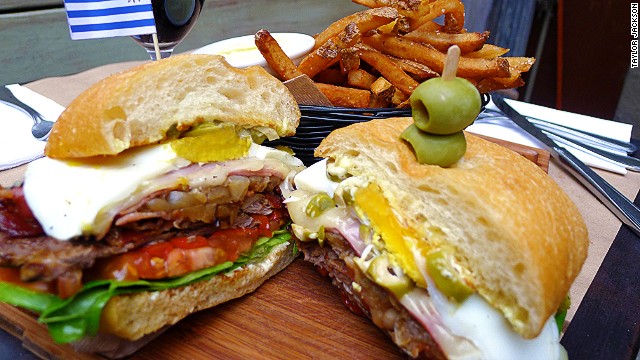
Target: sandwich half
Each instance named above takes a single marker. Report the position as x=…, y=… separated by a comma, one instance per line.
x=466, y=262
x=155, y=200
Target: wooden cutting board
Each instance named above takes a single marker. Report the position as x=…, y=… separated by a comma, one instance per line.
x=295, y=315
x=539, y=156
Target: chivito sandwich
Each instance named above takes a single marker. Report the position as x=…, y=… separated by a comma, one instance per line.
x=470, y=261
x=154, y=200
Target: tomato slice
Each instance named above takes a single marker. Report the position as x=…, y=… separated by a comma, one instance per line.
x=161, y=249
x=182, y=255
x=190, y=242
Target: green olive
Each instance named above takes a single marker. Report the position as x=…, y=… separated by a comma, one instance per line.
x=445, y=106
x=380, y=273
x=321, y=234
x=318, y=204
x=446, y=278
x=442, y=150
x=347, y=196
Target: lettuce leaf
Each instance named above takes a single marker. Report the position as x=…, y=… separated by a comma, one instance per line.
x=78, y=316
x=561, y=314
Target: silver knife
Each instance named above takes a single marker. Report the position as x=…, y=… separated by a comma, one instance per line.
x=619, y=205
x=628, y=162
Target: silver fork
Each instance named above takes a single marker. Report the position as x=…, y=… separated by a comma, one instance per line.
x=41, y=126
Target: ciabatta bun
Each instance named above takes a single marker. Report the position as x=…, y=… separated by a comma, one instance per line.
x=138, y=106
x=511, y=226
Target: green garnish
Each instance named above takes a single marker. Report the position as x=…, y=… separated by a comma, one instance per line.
x=561, y=314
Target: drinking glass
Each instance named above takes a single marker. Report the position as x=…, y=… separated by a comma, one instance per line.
x=174, y=19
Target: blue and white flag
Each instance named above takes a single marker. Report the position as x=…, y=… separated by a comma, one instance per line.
x=107, y=18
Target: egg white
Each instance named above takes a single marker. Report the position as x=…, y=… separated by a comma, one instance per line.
x=66, y=196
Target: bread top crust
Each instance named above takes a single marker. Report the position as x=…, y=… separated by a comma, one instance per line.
x=515, y=231
x=138, y=106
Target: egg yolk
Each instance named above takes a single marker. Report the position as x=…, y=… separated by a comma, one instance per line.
x=212, y=143
x=397, y=238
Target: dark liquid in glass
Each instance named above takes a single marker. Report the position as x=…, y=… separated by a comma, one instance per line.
x=174, y=19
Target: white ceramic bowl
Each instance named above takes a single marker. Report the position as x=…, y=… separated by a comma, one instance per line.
x=242, y=51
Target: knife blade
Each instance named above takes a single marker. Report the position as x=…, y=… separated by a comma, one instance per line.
x=617, y=203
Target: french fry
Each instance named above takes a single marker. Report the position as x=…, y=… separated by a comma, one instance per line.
x=402, y=25
x=420, y=71
x=275, y=56
x=421, y=12
x=349, y=60
x=404, y=104
x=488, y=51
x=453, y=11
x=388, y=68
x=467, y=42
x=430, y=26
x=493, y=84
x=360, y=79
x=405, y=8
x=365, y=20
x=377, y=102
x=344, y=96
x=327, y=54
x=331, y=76
x=398, y=98
x=521, y=64
x=434, y=59
x=382, y=88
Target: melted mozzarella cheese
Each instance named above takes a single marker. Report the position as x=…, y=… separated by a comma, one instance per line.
x=66, y=196
x=314, y=179
x=264, y=152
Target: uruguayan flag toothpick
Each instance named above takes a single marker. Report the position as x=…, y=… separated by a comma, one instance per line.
x=90, y=19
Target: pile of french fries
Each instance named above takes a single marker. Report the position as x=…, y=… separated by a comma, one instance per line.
x=376, y=57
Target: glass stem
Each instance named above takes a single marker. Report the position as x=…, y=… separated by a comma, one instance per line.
x=163, y=54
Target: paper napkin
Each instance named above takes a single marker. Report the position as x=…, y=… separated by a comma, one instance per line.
x=17, y=145
x=509, y=131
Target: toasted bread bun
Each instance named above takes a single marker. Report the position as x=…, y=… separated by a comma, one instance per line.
x=133, y=316
x=519, y=236
x=138, y=106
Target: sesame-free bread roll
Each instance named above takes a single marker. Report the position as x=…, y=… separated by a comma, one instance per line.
x=138, y=106
x=511, y=227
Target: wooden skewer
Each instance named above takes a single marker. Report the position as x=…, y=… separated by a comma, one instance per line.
x=157, y=47
x=451, y=63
